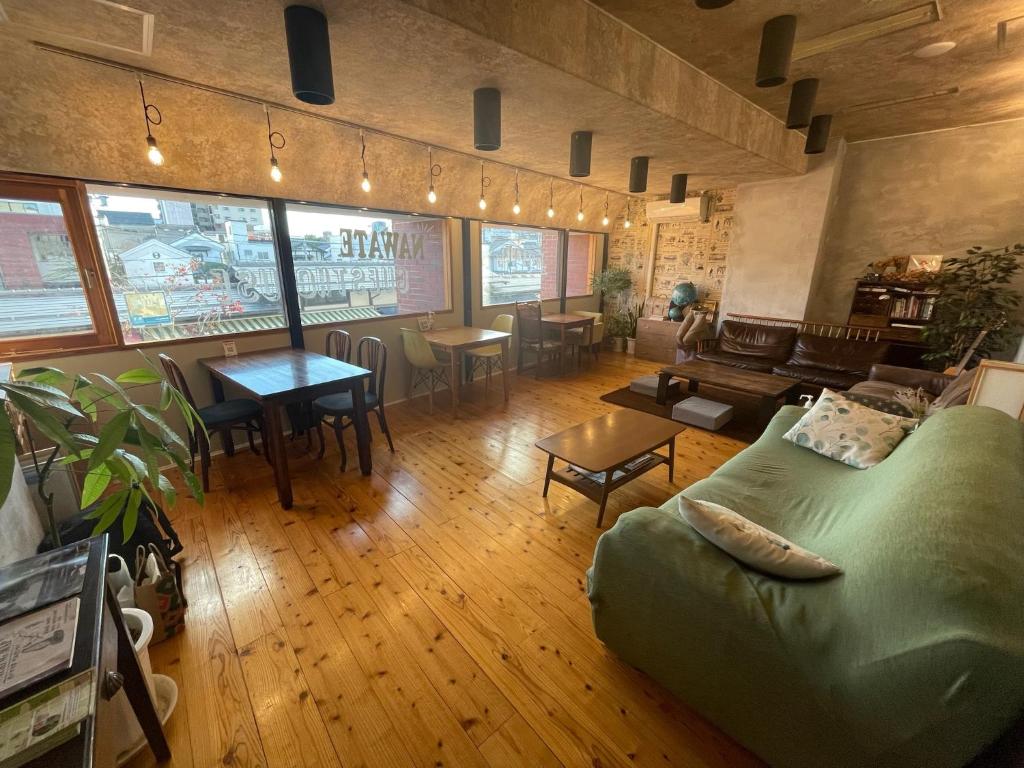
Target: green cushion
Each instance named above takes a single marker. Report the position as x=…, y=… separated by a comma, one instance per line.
x=913, y=657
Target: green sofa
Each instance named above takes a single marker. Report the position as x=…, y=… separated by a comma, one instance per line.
x=912, y=657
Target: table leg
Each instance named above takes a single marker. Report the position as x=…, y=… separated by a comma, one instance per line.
x=766, y=410
x=671, y=458
x=135, y=687
x=561, y=334
x=663, y=381
x=590, y=339
x=547, y=475
x=275, y=433
x=455, y=381
x=604, y=496
x=505, y=348
x=226, y=438
x=362, y=426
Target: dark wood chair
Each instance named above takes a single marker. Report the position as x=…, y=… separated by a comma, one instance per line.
x=336, y=410
x=338, y=345
x=240, y=414
x=531, y=335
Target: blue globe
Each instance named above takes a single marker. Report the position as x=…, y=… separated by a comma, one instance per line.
x=683, y=295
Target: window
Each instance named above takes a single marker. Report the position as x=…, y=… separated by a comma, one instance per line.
x=175, y=275
x=518, y=264
x=50, y=295
x=584, y=252
x=352, y=264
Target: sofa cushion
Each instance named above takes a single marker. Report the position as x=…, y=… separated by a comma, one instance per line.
x=849, y=432
x=884, y=404
x=823, y=377
x=753, y=544
x=880, y=389
x=956, y=392
x=747, y=362
x=761, y=341
x=832, y=354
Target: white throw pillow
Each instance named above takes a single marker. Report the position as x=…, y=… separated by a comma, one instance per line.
x=753, y=544
x=849, y=432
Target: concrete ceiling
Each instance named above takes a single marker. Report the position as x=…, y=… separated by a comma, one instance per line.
x=410, y=68
x=860, y=81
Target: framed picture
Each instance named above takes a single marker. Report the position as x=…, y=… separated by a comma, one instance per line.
x=999, y=385
x=924, y=263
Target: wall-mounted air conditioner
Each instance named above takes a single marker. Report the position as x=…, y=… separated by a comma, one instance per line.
x=695, y=208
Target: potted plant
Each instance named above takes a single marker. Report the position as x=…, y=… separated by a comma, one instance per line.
x=612, y=283
x=95, y=429
x=974, y=295
x=633, y=313
x=616, y=328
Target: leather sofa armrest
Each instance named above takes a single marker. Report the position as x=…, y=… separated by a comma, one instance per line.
x=705, y=345
x=930, y=381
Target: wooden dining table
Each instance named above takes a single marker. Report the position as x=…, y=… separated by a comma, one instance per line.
x=279, y=377
x=455, y=341
x=563, y=322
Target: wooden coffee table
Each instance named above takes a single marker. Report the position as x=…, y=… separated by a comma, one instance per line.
x=767, y=388
x=605, y=446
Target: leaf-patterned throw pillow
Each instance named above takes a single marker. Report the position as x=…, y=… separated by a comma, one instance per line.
x=849, y=432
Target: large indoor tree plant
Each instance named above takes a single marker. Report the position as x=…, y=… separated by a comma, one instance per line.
x=974, y=295
x=117, y=448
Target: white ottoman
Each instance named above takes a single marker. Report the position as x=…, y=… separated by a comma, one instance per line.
x=706, y=414
x=648, y=385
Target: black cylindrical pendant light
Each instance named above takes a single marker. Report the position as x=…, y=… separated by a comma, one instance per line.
x=777, y=38
x=487, y=119
x=309, y=54
x=638, y=174
x=579, y=153
x=678, y=193
x=801, y=102
x=817, y=136
x=710, y=5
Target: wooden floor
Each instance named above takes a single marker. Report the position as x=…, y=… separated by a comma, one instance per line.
x=432, y=614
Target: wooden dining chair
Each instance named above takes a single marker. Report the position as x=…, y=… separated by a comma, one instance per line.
x=338, y=345
x=532, y=337
x=242, y=414
x=337, y=409
x=426, y=368
x=596, y=332
x=488, y=357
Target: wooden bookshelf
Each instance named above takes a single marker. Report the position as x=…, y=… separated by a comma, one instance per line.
x=892, y=304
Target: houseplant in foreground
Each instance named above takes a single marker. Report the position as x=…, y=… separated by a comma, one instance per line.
x=633, y=312
x=96, y=430
x=612, y=283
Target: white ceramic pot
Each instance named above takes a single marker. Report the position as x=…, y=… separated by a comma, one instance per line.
x=630, y=346
x=618, y=343
x=140, y=625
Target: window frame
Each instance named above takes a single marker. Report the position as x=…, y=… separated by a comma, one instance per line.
x=70, y=194
x=562, y=236
x=596, y=250
x=449, y=279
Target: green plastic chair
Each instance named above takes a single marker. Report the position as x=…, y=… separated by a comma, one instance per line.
x=488, y=357
x=426, y=368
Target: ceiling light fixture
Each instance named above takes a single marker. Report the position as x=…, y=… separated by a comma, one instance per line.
x=638, y=174
x=485, y=181
x=932, y=50
x=156, y=157
x=777, y=38
x=365, y=183
x=277, y=141
x=309, y=54
x=433, y=171
x=487, y=119
x=551, y=198
x=515, y=206
x=604, y=219
x=579, y=213
x=678, y=192
x=579, y=153
x=801, y=102
x=817, y=135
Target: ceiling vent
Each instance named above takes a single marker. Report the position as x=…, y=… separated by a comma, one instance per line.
x=927, y=13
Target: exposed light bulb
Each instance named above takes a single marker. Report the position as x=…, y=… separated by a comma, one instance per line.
x=516, y=209
x=579, y=215
x=156, y=157
x=626, y=224
x=551, y=213
x=275, y=169
x=483, y=203
x=604, y=221
x=366, y=182
x=432, y=195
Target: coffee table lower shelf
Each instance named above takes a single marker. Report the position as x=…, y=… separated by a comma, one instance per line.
x=599, y=491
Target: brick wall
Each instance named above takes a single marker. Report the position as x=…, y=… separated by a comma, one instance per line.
x=17, y=261
x=422, y=284
x=579, y=264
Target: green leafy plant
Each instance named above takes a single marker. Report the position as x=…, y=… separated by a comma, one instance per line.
x=617, y=325
x=114, y=446
x=974, y=295
x=633, y=312
x=612, y=282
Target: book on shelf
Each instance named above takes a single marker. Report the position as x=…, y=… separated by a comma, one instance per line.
x=635, y=464
x=42, y=579
x=45, y=720
x=36, y=645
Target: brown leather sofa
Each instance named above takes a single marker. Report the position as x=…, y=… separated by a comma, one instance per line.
x=817, y=361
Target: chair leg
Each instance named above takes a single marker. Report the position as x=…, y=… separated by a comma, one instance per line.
x=204, y=457
x=519, y=358
x=430, y=394
x=412, y=383
x=320, y=436
x=339, y=432
x=487, y=376
x=249, y=429
x=384, y=426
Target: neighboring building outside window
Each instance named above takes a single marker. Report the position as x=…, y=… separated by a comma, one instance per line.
x=518, y=264
x=353, y=264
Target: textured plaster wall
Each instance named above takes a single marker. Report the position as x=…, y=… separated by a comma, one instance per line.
x=777, y=240
x=925, y=194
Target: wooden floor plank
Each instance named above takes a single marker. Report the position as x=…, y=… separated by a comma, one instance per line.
x=515, y=745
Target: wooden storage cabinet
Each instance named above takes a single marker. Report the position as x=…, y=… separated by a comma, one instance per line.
x=656, y=340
